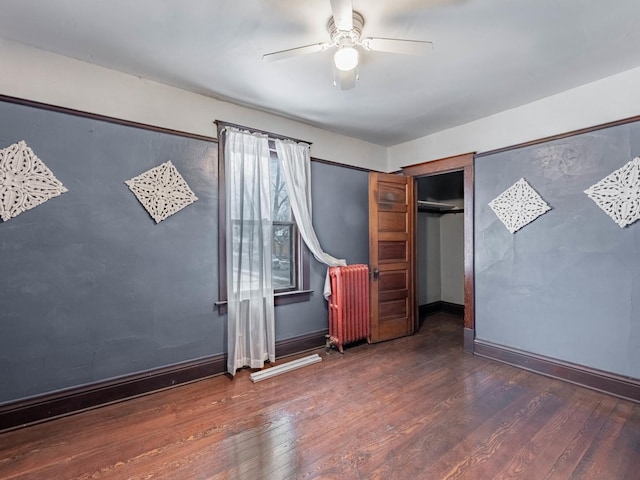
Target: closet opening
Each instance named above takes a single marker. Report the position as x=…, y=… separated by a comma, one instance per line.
x=440, y=249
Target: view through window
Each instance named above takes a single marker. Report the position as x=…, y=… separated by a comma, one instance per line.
x=285, y=236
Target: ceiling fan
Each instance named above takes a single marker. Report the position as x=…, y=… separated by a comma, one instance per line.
x=345, y=30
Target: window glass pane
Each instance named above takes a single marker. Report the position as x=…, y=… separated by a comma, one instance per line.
x=284, y=232
x=246, y=241
x=281, y=206
x=283, y=268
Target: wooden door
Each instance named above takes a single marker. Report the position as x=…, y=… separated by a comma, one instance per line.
x=391, y=256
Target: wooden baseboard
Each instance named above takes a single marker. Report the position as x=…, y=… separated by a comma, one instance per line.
x=78, y=399
x=429, y=309
x=619, y=386
x=453, y=308
x=300, y=344
x=74, y=400
x=440, y=306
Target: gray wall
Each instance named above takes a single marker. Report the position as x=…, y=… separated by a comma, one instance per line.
x=440, y=254
x=91, y=288
x=440, y=247
x=452, y=255
x=566, y=286
x=428, y=253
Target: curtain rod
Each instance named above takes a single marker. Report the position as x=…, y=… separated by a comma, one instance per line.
x=221, y=124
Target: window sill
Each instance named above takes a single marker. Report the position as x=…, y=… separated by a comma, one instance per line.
x=295, y=296
x=282, y=298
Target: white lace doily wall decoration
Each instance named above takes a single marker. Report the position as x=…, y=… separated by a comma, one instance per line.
x=162, y=191
x=518, y=205
x=25, y=181
x=618, y=194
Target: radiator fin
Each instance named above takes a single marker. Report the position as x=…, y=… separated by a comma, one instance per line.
x=349, y=305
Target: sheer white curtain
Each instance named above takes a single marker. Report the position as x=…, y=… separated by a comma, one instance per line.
x=250, y=313
x=296, y=165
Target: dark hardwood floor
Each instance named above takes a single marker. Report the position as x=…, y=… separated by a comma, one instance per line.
x=413, y=408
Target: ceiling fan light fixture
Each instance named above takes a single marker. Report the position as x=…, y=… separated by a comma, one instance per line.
x=346, y=58
x=345, y=31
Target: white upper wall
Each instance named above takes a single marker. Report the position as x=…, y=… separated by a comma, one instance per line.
x=37, y=75
x=610, y=99
x=45, y=77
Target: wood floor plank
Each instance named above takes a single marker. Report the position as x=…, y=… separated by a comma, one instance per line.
x=629, y=441
x=539, y=454
x=420, y=435
x=573, y=452
x=600, y=457
x=411, y=408
x=492, y=439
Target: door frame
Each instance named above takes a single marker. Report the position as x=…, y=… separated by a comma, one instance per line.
x=458, y=163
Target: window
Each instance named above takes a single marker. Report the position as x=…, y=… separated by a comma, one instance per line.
x=290, y=260
x=285, y=234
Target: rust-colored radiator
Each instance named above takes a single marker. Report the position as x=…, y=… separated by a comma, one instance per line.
x=349, y=305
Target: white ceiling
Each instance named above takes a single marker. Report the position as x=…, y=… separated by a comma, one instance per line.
x=489, y=55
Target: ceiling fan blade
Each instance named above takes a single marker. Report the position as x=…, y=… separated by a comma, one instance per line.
x=347, y=80
x=342, y=14
x=294, y=52
x=391, y=45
